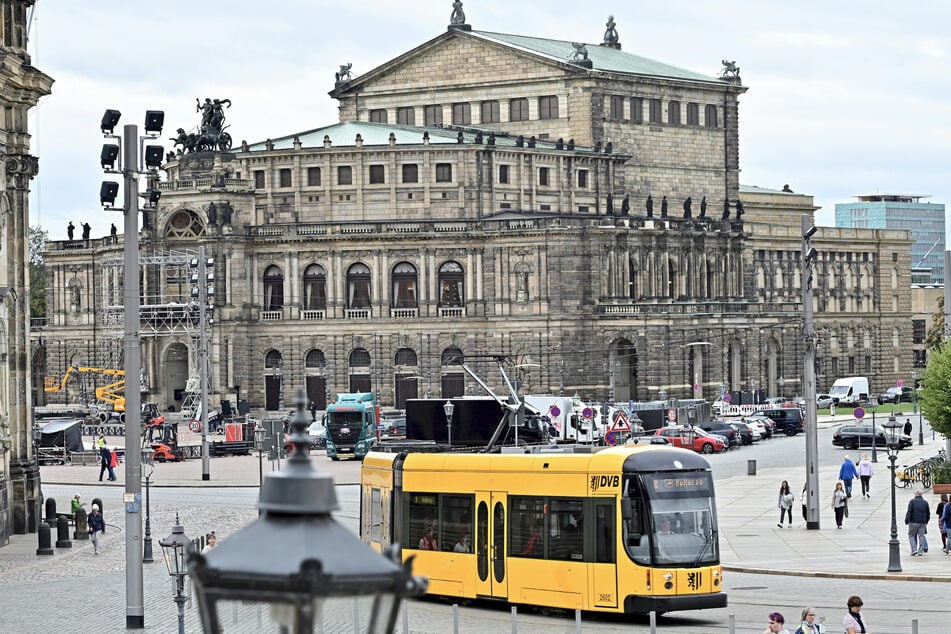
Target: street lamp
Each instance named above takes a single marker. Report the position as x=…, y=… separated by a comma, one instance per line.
x=296, y=555
x=914, y=407
x=260, y=435
x=874, y=436
x=662, y=393
x=448, y=407
x=148, y=466
x=892, y=431
x=782, y=391
x=176, y=548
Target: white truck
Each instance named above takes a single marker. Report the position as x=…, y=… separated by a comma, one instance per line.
x=850, y=390
x=566, y=415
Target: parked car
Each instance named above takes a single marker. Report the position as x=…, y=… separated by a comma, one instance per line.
x=768, y=423
x=788, y=419
x=855, y=436
x=760, y=426
x=703, y=442
x=721, y=429
x=318, y=435
x=823, y=401
x=776, y=400
x=719, y=406
x=896, y=395
x=748, y=435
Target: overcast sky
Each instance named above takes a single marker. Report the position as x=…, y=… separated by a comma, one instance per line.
x=845, y=97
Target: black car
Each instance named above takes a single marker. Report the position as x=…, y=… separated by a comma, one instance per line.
x=896, y=395
x=721, y=429
x=746, y=434
x=855, y=436
x=788, y=419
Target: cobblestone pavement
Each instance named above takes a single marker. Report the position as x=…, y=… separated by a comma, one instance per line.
x=41, y=594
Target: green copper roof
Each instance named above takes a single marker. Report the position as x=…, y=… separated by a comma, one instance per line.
x=377, y=134
x=603, y=58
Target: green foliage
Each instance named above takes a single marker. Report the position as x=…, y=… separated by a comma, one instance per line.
x=941, y=473
x=935, y=399
x=37, y=272
x=935, y=337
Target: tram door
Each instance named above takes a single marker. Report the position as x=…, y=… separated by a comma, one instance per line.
x=604, y=570
x=490, y=544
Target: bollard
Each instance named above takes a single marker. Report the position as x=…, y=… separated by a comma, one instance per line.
x=732, y=624
x=914, y=626
x=62, y=533
x=652, y=620
x=455, y=618
x=514, y=620
x=43, y=535
x=750, y=467
x=405, y=617
x=51, y=512
x=578, y=621
x=82, y=525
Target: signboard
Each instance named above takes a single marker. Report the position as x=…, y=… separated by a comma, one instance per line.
x=727, y=398
x=859, y=413
x=672, y=415
x=554, y=411
x=195, y=426
x=610, y=438
x=619, y=422
x=587, y=412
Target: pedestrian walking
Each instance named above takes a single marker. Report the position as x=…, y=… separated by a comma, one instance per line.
x=852, y=623
x=105, y=463
x=101, y=442
x=785, y=503
x=865, y=475
x=805, y=502
x=916, y=517
x=777, y=624
x=942, y=527
x=97, y=527
x=847, y=473
x=313, y=411
x=840, y=504
x=946, y=522
x=809, y=625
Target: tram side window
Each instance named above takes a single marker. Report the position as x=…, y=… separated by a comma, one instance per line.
x=546, y=528
x=423, y=529
x=440, y=522
x=527, y=527
x=455, y=519
x=376, y=516
x=566, y=529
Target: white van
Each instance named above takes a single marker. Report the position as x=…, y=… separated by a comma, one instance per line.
x=850, y=390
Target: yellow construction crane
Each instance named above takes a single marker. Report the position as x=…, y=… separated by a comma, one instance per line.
x=114, y=393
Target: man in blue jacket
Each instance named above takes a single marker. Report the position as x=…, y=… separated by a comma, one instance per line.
x=847, y=473
x=916, y=517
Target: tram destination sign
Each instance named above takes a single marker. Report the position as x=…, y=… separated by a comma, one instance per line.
x=661, y=484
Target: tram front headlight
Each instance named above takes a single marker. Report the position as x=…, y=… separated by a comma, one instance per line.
x=668, y=581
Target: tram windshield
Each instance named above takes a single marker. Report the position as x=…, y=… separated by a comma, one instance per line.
x=672, y=521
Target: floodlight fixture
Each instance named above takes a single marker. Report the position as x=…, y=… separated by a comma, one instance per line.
x=108, y=156
x=109, y=121
x=107, y=193
x=154, y=120
x=811, y=231
x=153, y=156
x=154, y=195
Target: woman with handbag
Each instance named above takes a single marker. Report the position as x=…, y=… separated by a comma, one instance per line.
x=839, y=502
x=785, y=503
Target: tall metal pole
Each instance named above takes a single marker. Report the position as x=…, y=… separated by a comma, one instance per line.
x=135, y=600
x=810, y=424
x=894, y=548
x=203, y=362
x=147, y=555
x=874, y=438
x=180, y=600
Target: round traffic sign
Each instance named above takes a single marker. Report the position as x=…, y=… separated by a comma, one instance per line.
x=195, y=426
x=610, y=438
x=899, y=383
x=696, y=387
x=859, y=413
x=587, y=412
x=555, y=411
x=672, y=415
x=727, y=398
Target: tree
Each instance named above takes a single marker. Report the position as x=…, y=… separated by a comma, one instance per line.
x=38, y=238
x=935, y=337
x=935, y=399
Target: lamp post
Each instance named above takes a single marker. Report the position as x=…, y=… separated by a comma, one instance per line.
x=449, y=407
x=131, y=169
x=295, y=555
x=662, y=393
x=874, y=436
x=202, y=290
x=892, y=430
x=782, y=391
x=148, y=466
x=260, y=435
x=177, y=548
x=914, y=407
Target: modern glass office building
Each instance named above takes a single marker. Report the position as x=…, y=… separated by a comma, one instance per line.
x=902, y=211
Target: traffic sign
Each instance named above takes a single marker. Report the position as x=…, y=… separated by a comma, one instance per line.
x=555, y=411
x=587, y=412
x=899, y=383
x=195, y=426
x=727, y=398
x=619, y=422
x=859, y=413
x=610, y=438
x=672, y=415
x=696, y=387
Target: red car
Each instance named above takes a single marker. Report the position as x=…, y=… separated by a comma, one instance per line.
x=678, y=436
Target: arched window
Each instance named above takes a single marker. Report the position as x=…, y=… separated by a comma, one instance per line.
x=315, y=288
x=358, y=286
x=404, y=286
x=273, y=288
x=273, y=360
x=184, y=224
x=451, y=286
x=453, y=356
x=315, y=359
x=359, y=358
x=406, y=356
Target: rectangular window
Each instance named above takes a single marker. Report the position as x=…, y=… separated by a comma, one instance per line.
x=527, y=527
x=410, y=173
x=518, y=110
x=406, y=116
x=461, y=114
x=655, y=111
x=376, y=516
x=543, y=176
x=710, y=116
x=617, y=107
x=377, y=175
x=582, y=179
x=259, y=179
x=313, y=176
x=443, y=173
x=637, y=110
x=378, y=115
x=548, y=107
x=917, y=330
x=673, y=113
x=546, y=528
x=433, y=115
x=504, y=174
x=422, y=531
x=345, y=175
x=490, y=112
x=693, y=114
x=284, y=176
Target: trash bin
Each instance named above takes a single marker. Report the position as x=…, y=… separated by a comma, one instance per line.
x=750, y=467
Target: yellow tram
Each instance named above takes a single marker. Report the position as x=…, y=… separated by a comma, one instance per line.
x=626, y=530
